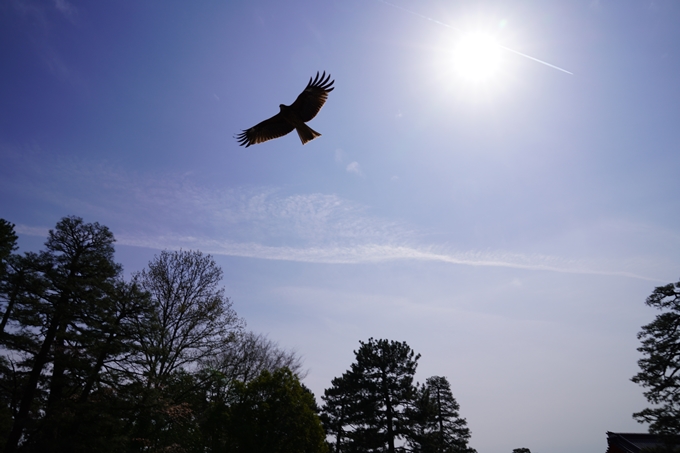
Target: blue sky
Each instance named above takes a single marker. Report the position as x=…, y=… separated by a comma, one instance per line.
x=509, y=229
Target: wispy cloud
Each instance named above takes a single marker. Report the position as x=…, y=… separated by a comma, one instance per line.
x=339, y=155
x=30, y=9
x=31, y=230
x=352, y=167
x=59, y=68
x=66, y=9
x=355, y=168
x=41, y=12
x=173, y=211
x=161, y=205
x=376, y=253
x=39, y=20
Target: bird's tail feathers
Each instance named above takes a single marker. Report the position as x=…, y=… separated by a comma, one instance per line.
x=306, y=133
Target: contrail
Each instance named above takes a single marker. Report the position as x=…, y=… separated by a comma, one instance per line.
x=459, y=31
x=532, y=58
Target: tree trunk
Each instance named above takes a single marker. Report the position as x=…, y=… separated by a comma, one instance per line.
x=388, y=413
x=12, y=300
x=58, y=370
x=31, y=385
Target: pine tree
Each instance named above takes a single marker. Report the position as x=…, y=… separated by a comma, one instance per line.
x=438, y=427
x=8, y=296
x=9, y=269
x=8, y=242
x=660, y=366
x=338, y=410
x=74, y=273
x=377, y=390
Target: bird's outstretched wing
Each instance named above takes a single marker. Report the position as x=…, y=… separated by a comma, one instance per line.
x=314, y=96
x=274, y=127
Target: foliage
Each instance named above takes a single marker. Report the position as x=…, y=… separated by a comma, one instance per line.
x=8, y=242
x=339, y=411
x=660, y=365
x=375, y=406
x=273, y=413
x=246, y=357
x=437, y=426
x=62, y=284
x=92, y=363
x=384, y=372
x=191, y=318
x=190, y=321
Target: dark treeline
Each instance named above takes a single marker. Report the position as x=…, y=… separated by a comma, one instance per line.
x=91, y=362
x=375, y=406
x=160, y=362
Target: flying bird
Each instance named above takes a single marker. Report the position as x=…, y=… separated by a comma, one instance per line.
x=293, y=116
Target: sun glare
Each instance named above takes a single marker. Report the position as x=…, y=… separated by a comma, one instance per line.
x=477, y=57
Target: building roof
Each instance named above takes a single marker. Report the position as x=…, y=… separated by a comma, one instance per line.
x=635, y=442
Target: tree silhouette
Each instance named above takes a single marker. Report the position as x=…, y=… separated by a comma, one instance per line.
x=437, y=426
x=660, y=366
x=8, y=242
x=367, y=408
x=273, y=413
x=76, y=272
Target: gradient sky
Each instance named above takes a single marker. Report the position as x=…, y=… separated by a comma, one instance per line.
x=509, y=230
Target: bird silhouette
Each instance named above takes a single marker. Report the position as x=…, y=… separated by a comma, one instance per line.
x=293, y=116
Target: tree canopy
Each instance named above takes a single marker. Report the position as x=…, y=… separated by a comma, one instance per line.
x=376, y=407
x=8, y=241
x=91, y=362
x=273, y=413
x=660, y=365
x=74, y=276
x=437, y=425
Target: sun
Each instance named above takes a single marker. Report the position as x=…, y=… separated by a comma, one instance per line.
x=477, y=57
